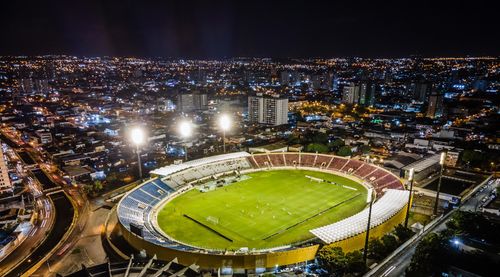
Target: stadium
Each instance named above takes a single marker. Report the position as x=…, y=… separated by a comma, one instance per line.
x=254, y=212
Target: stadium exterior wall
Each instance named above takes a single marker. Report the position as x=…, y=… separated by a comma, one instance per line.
x=259, y=260
x=207, y=260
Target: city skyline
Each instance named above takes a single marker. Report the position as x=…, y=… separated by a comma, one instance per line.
x=249, y=138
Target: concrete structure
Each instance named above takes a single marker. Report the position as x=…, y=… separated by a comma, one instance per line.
x=435, y=106
x=5, y=184
x=268, y=110
x=137, y=220
x=189, y=102
x=350, y=94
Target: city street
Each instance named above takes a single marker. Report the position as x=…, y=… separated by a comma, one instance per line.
x=398, y=264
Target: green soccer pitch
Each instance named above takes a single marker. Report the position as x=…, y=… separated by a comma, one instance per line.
x=269, y=209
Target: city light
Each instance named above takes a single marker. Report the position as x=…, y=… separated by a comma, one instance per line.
x=224, y=122
x=411, y=173
x=137, y=136
x=442, y=158
x=185, y=129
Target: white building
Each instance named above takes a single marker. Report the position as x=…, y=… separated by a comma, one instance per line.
x=268, y=110
x=350, y=94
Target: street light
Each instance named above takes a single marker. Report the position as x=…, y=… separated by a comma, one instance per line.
x=185, y=130
x=369, y=199
x=137, y=136
x=410, y=179
x=442, y=158
x=224, y=124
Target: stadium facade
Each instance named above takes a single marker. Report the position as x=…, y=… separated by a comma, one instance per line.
x=137, y=210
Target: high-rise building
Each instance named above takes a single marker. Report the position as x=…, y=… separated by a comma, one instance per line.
x=32, y=85
x=420, y=90
x=350, y=94
x=335, y=82
x=367, y=94
x=268, y=110
x=189, y=102
x=4, y=174
x=286, y=77
x=435, y=105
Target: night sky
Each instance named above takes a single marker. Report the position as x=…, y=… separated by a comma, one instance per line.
x=218, y=29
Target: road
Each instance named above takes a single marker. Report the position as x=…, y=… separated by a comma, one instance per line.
x=26, y=255
x=36, y=236
x=396, y=267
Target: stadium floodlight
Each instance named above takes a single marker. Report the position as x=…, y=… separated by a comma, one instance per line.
x=410, y=179
x=411, y=173
x=224, y=124
x=369, y=195
x=138, y=138
x=442, y=158
x=185, y=130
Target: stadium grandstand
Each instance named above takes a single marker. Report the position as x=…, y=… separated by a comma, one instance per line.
x=137, y=210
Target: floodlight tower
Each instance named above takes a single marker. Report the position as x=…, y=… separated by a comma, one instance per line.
x=369, y=199
x=442, y=158
x=410, y=179
x=185, y=130
x=224, y=124
x=137, y=137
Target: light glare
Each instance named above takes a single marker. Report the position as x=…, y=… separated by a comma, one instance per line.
x=185, y=129
x=137, y=136
x=224, y=122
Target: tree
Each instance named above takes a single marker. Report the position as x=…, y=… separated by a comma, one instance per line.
x=472, y=156
x=344, y=151
x=430, y=256
x=376, y=249
x=403, y=233
x=316, y=147
x=390, y=243
x=320, y=137
x=333, y=259
x=365, y=149
x=355, y=262
x=336, y=143
x=97, y=186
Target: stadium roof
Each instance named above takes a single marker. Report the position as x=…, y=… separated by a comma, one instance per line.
x=170, y=169
x=423, y=163
x=139, y=267
x=385, y=208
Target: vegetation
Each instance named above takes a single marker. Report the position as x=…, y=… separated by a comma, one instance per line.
x=269, y=209
x=317, y=147
x=93, y=188
x=344, y=151
x=379, y=248
x=338, y=263
x=438, y=247
x=365, y=149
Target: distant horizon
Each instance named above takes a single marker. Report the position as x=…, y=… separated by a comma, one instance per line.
x=257, y=57
x=222, y=28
